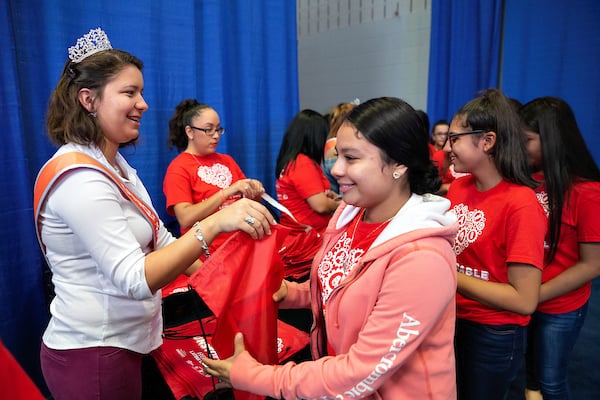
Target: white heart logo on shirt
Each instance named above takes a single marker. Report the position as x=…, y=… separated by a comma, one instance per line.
x=542, y=198
x=470, y=226
x=217, y=174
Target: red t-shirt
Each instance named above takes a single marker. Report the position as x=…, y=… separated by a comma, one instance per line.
x=580, y=224
x=192, y=179
x=337, y=264
x=498, y=226
x=301, y=179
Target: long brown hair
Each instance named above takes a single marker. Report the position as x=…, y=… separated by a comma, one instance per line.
x=493, y=111
x=336, y=117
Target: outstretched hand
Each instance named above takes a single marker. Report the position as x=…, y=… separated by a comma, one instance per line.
x=249, y=188
x=245, y=215
x=221, y=369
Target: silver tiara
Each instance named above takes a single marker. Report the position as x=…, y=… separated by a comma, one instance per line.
x=90, y=43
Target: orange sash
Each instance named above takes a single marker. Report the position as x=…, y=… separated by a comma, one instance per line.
x=59, y=166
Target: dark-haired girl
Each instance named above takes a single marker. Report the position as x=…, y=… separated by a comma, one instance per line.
x=301, y=184
x=499, y=245
x=382, y=287
x=570, y=194
x=200, y=181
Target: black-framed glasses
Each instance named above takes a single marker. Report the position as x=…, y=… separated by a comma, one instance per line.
x=210, y=132
x=451, y=135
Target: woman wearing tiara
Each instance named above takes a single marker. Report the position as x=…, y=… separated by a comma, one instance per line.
x=108, y=251
x=200, y=181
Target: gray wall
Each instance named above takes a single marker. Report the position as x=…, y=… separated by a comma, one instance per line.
x=362, y=49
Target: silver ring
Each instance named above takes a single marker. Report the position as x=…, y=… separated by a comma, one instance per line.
x=250, y=220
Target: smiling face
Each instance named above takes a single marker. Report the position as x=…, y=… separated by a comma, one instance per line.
x=466, y=151
x=199, y=142
x=365, y=179
x=120, y=107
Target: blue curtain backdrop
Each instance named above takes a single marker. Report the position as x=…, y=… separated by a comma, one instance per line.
x=527, y=49
x=238, y=56
x=552, y=48
x=464, y=53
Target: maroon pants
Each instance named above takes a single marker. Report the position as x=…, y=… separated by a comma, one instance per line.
x=98, y=373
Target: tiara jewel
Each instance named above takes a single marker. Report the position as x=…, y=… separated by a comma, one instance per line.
x=91, y=43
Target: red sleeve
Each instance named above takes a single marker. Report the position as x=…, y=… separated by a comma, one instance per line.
x=587, y=211
x=177, y=184
x=526, y=229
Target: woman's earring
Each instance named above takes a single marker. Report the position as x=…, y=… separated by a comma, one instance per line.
x=93, y=114
x=396, y=175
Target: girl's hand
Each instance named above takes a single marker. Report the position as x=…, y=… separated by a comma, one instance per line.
x=221, y=369
x=249, y=188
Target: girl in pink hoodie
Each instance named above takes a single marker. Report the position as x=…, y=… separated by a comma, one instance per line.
x=382, y=287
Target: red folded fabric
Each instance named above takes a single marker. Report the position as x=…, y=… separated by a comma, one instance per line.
x=298, y=250
x=237, y=283
x=14, y=381
x=179, y=357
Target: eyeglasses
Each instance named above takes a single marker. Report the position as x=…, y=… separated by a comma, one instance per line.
x=210, y=132
x=451, y=135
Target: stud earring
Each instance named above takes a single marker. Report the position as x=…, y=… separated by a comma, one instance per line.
x=93, y=114
x=396, y=175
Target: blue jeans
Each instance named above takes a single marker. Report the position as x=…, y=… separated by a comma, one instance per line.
x=551, y=341
x=488, y=358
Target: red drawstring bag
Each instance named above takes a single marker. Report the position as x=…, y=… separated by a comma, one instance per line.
x=179, y=359
x=298, y=250
x=237, y=283
x=299, y=246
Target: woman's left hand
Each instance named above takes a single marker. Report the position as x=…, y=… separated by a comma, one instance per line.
x=249, y=188
x=221, y=369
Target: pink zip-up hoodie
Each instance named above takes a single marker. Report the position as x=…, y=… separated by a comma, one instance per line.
x=390, y=322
